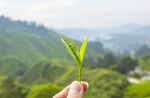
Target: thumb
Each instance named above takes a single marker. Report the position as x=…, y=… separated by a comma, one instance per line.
x=76, y=90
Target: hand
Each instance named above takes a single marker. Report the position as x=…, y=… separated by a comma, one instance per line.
x=75, y=90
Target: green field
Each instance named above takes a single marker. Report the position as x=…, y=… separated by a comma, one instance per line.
x=138, y=90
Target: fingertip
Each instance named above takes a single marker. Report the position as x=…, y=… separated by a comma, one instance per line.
x=76, y=90
x=85, y=85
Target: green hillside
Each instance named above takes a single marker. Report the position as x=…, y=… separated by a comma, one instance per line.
x=32, y=42
x=43, y=91
x=103, y=83
x=47, y=71
x=11, y=66
x=38, y=57
x=30, y=48
x=138, y=91
x=10, y=89
x=144, y=61
x=29, y=42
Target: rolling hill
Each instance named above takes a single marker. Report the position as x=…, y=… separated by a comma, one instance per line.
x=103, y=83
x=31, y=42
x=46, y=71
x=11, y=66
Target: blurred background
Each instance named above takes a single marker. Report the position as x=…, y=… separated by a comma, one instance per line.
x=35, y=64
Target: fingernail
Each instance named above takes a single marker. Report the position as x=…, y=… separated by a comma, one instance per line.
x=76, y=88
x=87, y=84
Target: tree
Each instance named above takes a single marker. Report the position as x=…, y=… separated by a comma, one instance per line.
x=99, y=62
x=126, y=64
x=97, y=47
x=8, y=89
x=89, y=62
x=108, y=60
x=142, y=50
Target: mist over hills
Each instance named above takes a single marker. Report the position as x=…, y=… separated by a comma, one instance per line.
x=131, y=29
x=126, y=38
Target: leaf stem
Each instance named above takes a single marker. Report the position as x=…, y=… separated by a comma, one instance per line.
x=79, y=76
x=80, y=70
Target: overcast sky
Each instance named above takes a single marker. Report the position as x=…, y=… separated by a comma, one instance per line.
x=78, y=13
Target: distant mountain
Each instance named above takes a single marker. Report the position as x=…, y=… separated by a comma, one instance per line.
x=7, y=25
x=79, y=34
x=123, y=38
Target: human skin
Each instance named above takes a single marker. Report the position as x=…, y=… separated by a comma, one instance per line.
x=74, y=90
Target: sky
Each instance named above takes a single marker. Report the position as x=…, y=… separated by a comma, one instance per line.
x=78, y=13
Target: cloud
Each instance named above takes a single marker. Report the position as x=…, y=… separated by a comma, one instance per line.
x=78, y=13
x=105, y=37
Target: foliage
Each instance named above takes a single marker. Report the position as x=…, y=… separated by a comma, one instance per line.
x=102, y=62
x=142, y=51
x=144, y=61
x=138, y=91
x=43, y=91
x=99, y=62
x=11, y=66
x=30, y=48
x=46, y=71
x=72, y=49
x=90, y=62
x=97, y=47
x=125, y=64
x=109, y=83
x=9, y=89
x=23, y=26
x=108, y=60
x=103, y=83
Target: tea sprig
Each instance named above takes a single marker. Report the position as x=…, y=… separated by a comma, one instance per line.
x=72, y=49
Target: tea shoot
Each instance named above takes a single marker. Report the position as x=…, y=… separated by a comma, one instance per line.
x=72, y=49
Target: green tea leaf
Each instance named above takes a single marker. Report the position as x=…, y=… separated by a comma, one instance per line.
x=72, y=49
x=82, y=50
